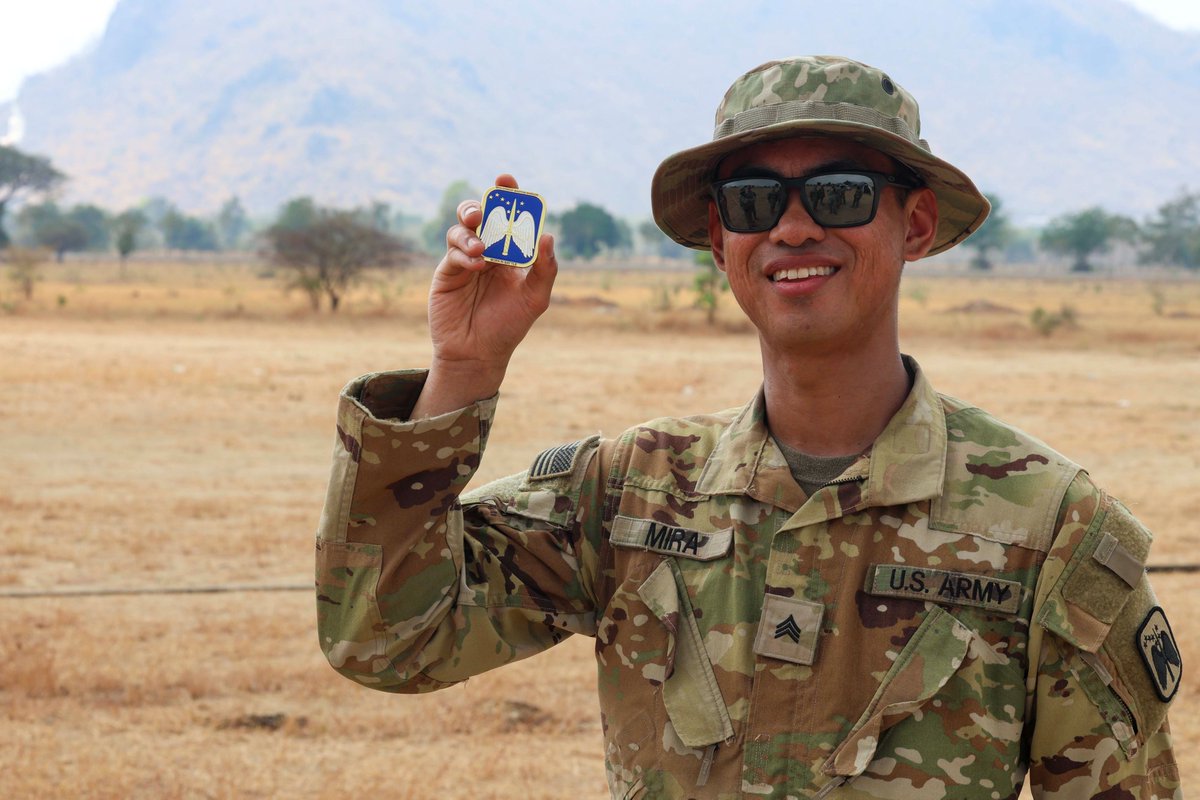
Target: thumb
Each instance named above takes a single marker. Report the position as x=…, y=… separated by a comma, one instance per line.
x=539, y=281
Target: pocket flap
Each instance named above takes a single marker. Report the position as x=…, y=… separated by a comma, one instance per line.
x=927, y=662
x=690, y=692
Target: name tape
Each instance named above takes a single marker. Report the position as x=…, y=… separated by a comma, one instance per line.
x=649, y=534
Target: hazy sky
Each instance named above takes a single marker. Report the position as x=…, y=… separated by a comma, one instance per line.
x=40, y=34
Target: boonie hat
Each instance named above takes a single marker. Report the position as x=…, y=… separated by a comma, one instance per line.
x=813, y=96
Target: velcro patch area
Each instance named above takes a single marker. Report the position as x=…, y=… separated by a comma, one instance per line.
x=648, y=534
x=996, y=595
x=555, y=462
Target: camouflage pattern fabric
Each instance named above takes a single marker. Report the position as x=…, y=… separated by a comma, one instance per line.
x=830, y=96
x=938, y=622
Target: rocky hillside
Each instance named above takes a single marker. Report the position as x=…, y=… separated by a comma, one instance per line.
x=1054, y=104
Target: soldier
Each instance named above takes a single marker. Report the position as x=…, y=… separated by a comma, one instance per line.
x=851, y=587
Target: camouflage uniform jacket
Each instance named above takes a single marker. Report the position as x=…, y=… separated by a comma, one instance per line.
x=958, y=608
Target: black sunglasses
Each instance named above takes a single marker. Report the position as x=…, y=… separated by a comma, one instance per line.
x=840, y=199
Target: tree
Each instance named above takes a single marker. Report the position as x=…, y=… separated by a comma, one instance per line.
x=127, y=226
x=994, y=234
x=46, y=226
x=24, y=263
x=232, y=224
x=96, y=222
x=183, y=232
x=1174, y=235
x=709, y=283
x=297, y=213
x=328, y=255
x=21, y=173
x=586, y=228
x=656, y=243
x=1085, y=234
x=434, y=233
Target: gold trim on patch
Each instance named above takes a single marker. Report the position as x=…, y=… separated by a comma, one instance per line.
x=944, y=586
x=649, y=534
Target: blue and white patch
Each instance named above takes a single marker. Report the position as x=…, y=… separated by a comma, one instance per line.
x=511, y=226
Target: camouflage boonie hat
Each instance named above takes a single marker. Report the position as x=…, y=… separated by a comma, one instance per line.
x=813, y=96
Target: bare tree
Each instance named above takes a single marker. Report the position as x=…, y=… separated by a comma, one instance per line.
x=24, y=264
x=329, y=253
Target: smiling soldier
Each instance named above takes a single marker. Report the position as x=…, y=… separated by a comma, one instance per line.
x=851, y=587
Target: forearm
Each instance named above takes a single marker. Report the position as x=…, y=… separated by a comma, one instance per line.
x=452, y=385
x=389, y=548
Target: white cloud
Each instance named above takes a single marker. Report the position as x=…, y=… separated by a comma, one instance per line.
x=43, y=34
x=1182, y=15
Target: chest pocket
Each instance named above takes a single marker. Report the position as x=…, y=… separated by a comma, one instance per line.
x=937, y=649
x=689, y=688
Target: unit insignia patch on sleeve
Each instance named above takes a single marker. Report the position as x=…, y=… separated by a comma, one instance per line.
x=1160, y=653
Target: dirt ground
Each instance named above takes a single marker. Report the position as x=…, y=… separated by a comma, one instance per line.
x=170, y=427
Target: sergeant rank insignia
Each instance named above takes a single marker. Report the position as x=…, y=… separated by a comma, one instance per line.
x=512, y=224
x=1160, y=653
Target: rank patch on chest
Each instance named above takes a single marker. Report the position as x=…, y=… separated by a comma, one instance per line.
x=789, y=629
x=944, y=586
x=1160, y=653
x=649, y=534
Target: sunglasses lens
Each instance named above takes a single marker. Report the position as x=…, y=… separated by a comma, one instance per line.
x=840, y=200
x=752, y=204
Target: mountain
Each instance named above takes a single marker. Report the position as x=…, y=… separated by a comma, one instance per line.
x=1053, y=104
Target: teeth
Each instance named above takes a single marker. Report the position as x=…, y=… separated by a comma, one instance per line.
x=802, y=273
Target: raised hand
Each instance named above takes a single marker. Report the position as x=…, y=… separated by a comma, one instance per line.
x=478, y=313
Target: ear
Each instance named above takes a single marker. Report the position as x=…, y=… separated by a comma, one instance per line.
x=921, y=216
x=716, y=235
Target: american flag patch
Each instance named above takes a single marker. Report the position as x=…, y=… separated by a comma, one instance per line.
x=555, y=462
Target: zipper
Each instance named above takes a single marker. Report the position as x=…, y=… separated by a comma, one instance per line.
x=1128, y=713
x=706, y=764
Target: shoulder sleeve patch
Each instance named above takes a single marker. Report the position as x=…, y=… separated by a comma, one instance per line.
x=1160, y=653
x=556, y=462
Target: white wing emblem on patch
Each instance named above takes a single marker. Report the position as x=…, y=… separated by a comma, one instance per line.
x=523, y=231
x=495, y=228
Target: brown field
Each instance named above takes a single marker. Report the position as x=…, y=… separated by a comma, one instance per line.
x=171, y=426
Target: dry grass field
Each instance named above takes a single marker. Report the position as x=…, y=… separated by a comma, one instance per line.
x=170, y=427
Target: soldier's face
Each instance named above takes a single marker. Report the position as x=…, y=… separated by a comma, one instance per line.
x=806, y=286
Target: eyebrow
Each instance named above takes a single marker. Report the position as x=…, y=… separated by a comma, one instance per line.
x=758, y=171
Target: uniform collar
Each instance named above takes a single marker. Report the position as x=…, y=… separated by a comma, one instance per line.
x=906, y=462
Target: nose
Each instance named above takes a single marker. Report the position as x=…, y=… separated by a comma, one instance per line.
x=796, y=226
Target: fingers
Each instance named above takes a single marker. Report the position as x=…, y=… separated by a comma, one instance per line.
x=464, y=249
x=539, y=280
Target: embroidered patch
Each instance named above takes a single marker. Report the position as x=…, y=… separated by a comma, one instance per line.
x=943, y=586
x=555, y=462
x=1160, y=653
x=789, y=629
x=648, y=534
